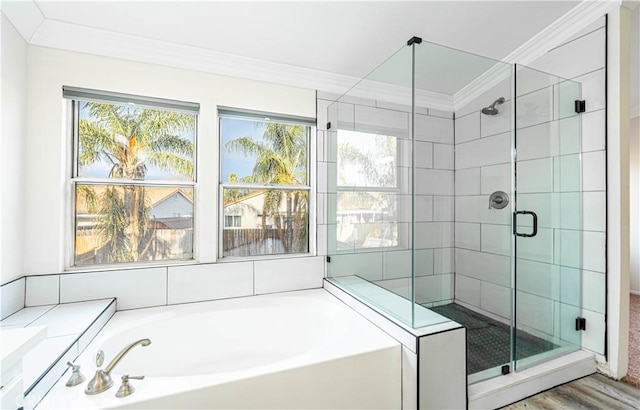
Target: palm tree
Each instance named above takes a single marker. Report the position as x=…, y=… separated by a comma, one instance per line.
x=130, y=139
x=281, y=158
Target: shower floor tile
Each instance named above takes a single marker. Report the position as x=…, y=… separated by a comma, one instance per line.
x=488, y=341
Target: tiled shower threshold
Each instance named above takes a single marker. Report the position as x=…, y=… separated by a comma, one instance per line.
x=555, y=366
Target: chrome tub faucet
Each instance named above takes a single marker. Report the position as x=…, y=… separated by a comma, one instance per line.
x=102, y=380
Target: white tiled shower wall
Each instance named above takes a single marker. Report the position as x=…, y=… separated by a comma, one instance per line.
x=483, y=237
x=434, y=198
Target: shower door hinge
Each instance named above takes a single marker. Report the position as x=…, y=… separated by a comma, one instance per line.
x=328, y=125
x=581, y=106
x=506, y=369
x=328, y=259
x=581, y=323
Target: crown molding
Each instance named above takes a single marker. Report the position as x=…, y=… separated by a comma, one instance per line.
x=25, y=16
x=89, y=40
x=552, y=36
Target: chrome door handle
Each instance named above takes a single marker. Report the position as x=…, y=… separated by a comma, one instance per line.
x=535, y=224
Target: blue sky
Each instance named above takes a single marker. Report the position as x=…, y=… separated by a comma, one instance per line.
x=231, y=129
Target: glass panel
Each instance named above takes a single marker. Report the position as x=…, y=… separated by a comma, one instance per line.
x=548, y=183
x=131, y=223
x=265, y=221
x=369, y=195
x=263, y=152
x=134, y=142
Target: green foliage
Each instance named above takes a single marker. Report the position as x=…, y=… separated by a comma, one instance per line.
x=281, y=159
x=129, y=139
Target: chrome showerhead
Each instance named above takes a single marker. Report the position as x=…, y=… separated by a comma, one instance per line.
x=492, y=110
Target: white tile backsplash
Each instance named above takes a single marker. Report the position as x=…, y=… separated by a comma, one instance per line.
x=433, y=235
x=593, y=131
x=468, y=290
x=444, y=260
x=534, y=312
x=282, y=275
x=593, y=251
x=397, y=264
x=593, y=90
x=12, y=297
x=434, y=129
x=594, y=212
x=487, y=151
x=495, y=299
x=496, y=239
x=593, y=337
x=594, y=171
x=495, y=178
x=592, y=295
x=423, y=211
x=134, y=288
x=467, y=236
x=443, y=156
x=484, y=266
x=468, y=127
x=208, y=282
x=467, y=181
x=381, y=121
x=443, y=209
x=424, y=154
x=433, y=182
x=42, y=290
x=535, y=175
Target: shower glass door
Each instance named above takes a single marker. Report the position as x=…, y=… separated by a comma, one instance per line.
x=547, y=256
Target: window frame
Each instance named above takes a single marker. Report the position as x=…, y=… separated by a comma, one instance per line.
x=73, y=96
x=309, y=187
x=402, y=231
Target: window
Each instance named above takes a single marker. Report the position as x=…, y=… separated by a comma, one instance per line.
x=132, y=179
x=264, y=183
x=368, y=192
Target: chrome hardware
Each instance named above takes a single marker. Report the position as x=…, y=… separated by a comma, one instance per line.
x=102, y=380
x=99, y=358
x=126, y=388
x=498, y=200
x=76, y=377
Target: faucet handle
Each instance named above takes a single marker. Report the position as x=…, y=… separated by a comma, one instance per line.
x=99, y=358
x=76, y=377
x=126, y=388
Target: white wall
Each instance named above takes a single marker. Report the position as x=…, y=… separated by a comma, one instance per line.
x=12, y=151
x=634, y=159
x=47, y=185
x=48, y=139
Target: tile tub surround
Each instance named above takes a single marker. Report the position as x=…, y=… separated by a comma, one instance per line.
x=69, y=327
x=356, y=362
x=12, y=297
x=137, y=288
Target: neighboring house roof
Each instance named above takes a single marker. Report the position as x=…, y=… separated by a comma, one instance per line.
x=154, y=194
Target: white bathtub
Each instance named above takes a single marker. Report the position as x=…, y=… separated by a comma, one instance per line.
x=292, y=350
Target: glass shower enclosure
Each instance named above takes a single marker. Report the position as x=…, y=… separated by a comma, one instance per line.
x=455, y=194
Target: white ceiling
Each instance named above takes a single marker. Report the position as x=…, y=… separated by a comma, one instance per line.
x=348, y=38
